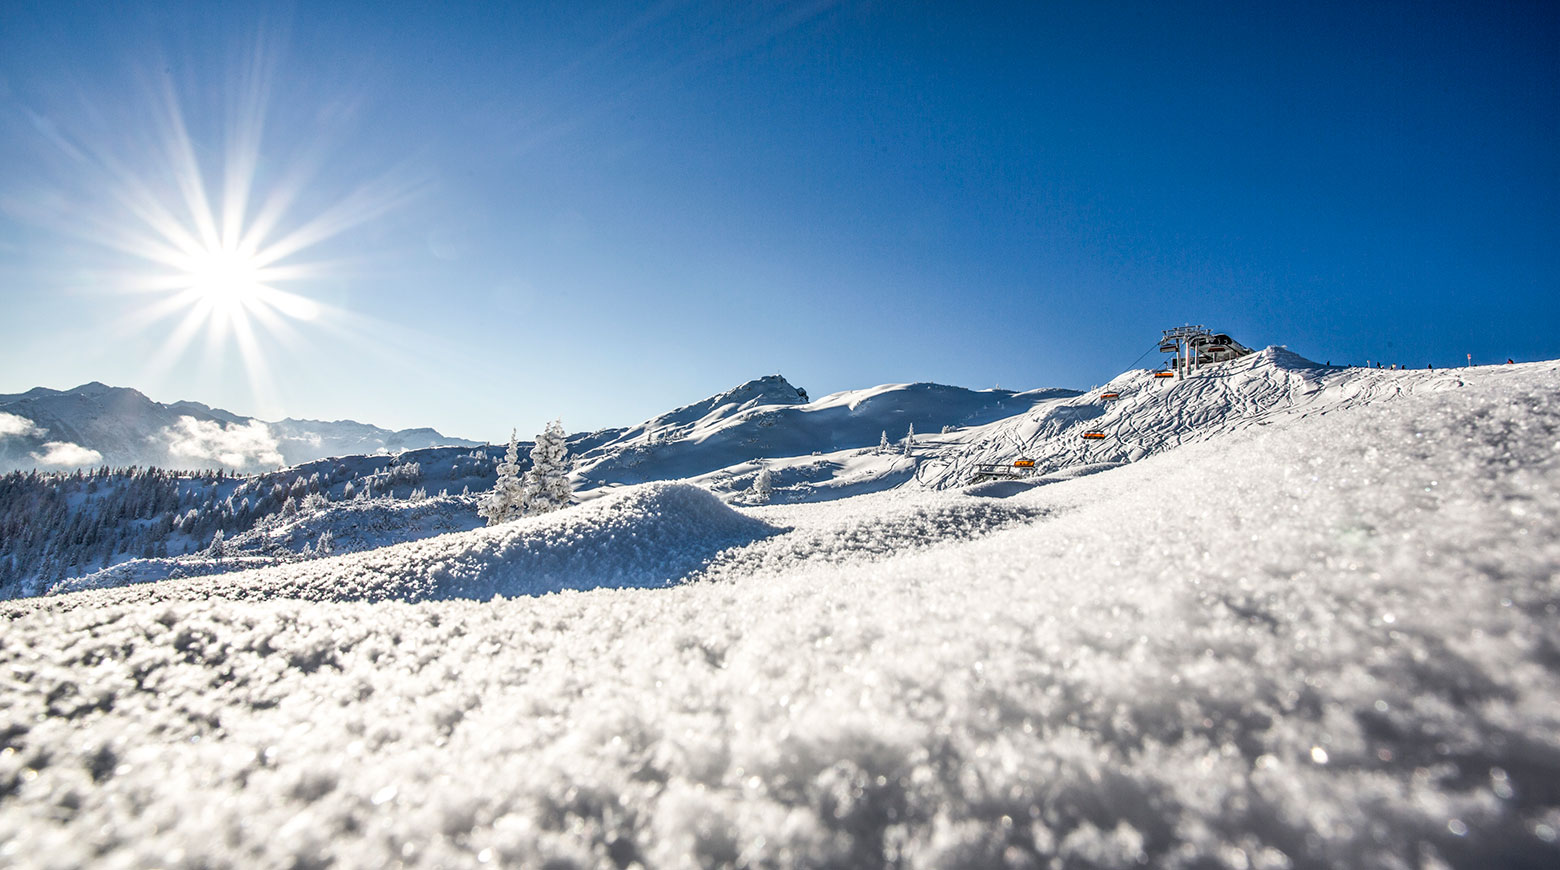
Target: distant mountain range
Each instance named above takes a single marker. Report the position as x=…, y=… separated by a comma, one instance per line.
x=95, y=424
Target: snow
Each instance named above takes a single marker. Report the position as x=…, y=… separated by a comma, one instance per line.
x=1330, y=641
x=1152, y=415
x=766, y=419
x=354, y=526
x=645, y=536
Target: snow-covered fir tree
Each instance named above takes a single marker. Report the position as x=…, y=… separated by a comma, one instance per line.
x=763, y=486
x=910, y=439
x=883, y=443
x=217, y=550
x=547, y=486
x=508, y=498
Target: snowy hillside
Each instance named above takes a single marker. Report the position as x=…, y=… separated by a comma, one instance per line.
x=65, y=527
x=346, y=527
x=767, y=419
x=95, y=424
x=362, y=501
x=1139, y=414
x=1343, y=655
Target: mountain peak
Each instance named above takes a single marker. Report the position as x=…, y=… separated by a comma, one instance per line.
x=767, y=390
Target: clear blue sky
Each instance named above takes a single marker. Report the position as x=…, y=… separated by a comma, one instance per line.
x=600, y=211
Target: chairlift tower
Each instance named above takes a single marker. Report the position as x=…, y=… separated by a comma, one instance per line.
x=1197, y=346
x=1179, y=341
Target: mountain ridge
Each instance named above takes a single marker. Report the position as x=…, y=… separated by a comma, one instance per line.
x=99, y=424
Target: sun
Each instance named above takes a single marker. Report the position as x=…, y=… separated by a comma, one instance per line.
x=227, y=280
x=227, y=235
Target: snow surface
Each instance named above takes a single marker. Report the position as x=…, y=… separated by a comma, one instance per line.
x=1332, y=641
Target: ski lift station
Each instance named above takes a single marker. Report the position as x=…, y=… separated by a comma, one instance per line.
x=1190, y=348
x=1195, y=346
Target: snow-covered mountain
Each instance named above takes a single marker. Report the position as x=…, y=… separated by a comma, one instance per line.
x=1281, y=616
x=820, y=450
x=768, y=418
x=95, y=424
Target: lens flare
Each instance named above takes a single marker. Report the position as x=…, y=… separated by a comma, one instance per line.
x=223, y=225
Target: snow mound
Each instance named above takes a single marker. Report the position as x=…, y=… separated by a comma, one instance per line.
x=648, y=536
x=1001, y=488
x=868, y=528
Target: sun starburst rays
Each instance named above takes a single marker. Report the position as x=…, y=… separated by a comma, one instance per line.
x=223, y=261
x=219, y=220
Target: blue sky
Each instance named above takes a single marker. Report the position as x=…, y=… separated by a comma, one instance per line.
x=600, y=211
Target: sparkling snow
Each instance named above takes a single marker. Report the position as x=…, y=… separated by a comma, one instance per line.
x=1330, y=641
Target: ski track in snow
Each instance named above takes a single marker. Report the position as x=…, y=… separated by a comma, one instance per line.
x=1329, y=643
x=1152, y=415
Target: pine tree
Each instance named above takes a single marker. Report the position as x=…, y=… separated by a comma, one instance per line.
x=508, y=498
x=909, y=439
x=883, y=443
x=547, y=486
x=763, y=486
x=217, y=550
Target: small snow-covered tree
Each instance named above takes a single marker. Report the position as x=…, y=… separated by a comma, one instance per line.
x=348, y=492
x=216, y=550
x=547, y=486
x=883, y=443
x=508, y=498
x=910, y=439
x=325, y=544
x=763, y=486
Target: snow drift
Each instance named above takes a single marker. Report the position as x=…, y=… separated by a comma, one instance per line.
x=647, y=536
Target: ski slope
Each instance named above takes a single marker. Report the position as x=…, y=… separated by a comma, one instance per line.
x=1346, y=657
x=1153, y=414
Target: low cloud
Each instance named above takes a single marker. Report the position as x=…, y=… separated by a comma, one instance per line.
x=63, y=454
x=11, y=424
x=250, y=446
